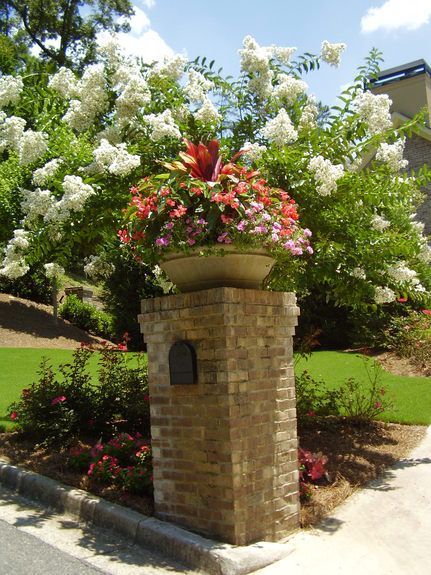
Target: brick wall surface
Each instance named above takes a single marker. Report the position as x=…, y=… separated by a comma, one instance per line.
x=225, y=450
x=418, y=152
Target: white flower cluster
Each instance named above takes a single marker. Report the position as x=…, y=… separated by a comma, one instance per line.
x=96, y=267
x=114, y=160
x=93, y=99
x=392, y=154
x=109, y=49
x=37, y=203
x=379, y=223
x=172, y=67
x=162, y=126
x=358, y=273
x=207, y=113
x=197, y=86
x=76, y=193
x=280, y=129
x=331, y=53
x=288, y=89
x=32, y=145
x=373, y=110
x=133, y=91
x=11, y=131
x=64, y=83
x=308, y=116
x=425, y=253
x=253, y=152
x=48, y=171
x=53, y=270
x=255, y=59
x=10, y=90
x=401, y=273
x=14, y=265
x=383, y=295
x=326, y=174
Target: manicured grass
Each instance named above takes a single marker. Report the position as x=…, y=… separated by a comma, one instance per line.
x=411, y=395
x=18, y=370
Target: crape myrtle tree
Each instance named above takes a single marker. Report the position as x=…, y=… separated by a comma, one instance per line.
x=78, y=143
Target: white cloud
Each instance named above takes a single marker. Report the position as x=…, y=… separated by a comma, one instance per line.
x=149, y=3
x=394, y=14
x=142, y=40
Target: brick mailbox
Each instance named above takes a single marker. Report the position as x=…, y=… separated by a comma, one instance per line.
x=224, y=435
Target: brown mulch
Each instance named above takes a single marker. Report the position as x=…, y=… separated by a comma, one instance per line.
x=356, y=454
x=24, y=323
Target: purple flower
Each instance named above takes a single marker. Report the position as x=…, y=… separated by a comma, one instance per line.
x=202, y=222
x=275, y=237
x=307, y=232
x=260, y=229
x=241, y=226
x=224, y=238
x=169, y=225
x=191, y=242
x=163, y=241
x=309, y=250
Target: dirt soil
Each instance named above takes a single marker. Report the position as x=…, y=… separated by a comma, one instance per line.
x=356, y=453
x=24, y=323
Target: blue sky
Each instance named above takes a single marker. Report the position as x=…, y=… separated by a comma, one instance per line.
x=401, y=29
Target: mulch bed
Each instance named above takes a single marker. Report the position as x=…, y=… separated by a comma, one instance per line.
x=356, y=454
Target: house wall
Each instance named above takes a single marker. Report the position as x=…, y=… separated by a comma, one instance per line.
x=418, y=152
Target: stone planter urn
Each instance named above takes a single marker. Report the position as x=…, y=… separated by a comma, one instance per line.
x=228, y=267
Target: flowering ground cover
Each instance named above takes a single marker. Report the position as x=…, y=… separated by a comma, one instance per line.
x=411, y=396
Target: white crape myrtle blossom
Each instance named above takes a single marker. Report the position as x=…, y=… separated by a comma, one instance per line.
x=331, y=53
x=76, y=193
x=114, y=160
x=358, y=273
x=48, y=171
x=207, y=113
x=91, y=100
x=109, y=50
x=36, y=204
x=97, y=268
x=401, y=273
x=110, y=133
x=134, y=95
x=11, y=131
x=392, y=155
x=32, y=145
x=280, y=129
x=261, y=84
x=64, y=82
x=379, y=223
x=171, y=67
x=254, y=58
x=383, y=295
x=197, y=86
x=162, y=126
x=283, y=54
x=53, y=270
x=10, y=90
x=309, y=115
x=288, y=89
x=253, y=152
x=425, y=253
x=326, y=174
x=373, y=110
x=14, y=265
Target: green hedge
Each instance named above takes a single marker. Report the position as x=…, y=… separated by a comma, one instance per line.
x=87, y=317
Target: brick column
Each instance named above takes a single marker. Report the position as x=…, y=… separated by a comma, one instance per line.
x=225, y=450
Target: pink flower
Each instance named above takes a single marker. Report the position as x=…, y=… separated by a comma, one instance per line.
x=14, y=415
x=426, y=311
x=191, y=242
x=241, y=226
x=224, y=238
x=58, y=399
x=163, y=241
x=378, y=405
x=122, y=347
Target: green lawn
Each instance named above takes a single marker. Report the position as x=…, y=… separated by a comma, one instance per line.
x=18, y=370
x=411, y=395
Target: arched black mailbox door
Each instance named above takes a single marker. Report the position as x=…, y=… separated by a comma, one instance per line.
x=182, y=364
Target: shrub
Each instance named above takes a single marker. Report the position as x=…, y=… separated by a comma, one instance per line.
x=125, y=460
x=34, y=286
x=87, y=317
x=62, y=406
x=410, y=336
x=351, y=399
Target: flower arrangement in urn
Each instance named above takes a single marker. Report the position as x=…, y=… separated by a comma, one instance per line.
x=203, y=206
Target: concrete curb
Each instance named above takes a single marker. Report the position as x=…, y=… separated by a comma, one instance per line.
x=154, y=534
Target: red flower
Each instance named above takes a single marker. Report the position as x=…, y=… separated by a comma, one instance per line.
x=14, y=415
x=122, y=347
x=59, y=399
x=311, y=414
x=426, y=311
x=402, y=299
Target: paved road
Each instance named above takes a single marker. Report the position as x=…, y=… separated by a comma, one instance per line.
x=34, y=541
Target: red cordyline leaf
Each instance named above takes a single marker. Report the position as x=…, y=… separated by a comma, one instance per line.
x=203, y=161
